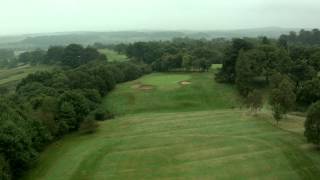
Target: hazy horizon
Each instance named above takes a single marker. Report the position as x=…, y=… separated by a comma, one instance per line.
x=50, y=16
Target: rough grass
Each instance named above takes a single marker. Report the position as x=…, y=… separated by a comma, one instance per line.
x=181, y=132
x=10, y=77
x=113, y=56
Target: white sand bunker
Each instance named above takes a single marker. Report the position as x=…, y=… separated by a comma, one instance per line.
x=185, y=83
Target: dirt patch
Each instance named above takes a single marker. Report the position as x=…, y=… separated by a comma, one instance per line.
x=185, y=83
x=143, y=87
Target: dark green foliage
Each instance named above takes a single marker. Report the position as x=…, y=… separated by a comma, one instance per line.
x=304, y=37
x=180, y=54
x=301, y=71
x=282, y=98
x=101, y=115
x=33, y=57
x=248, y=67
x=312, y=124
x=54, y=54
x=73, y=55
x=42, y=77
x=315, y=61
x=228, y=71
x=309, y=92
x=71, y=111
x=47, y=105
x=5, y=173
x=15, y=141
x=252, y=64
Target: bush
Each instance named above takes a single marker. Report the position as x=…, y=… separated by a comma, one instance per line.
x=101, y=115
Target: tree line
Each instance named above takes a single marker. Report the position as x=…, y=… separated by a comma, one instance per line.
x=180, y=54
x=48, y=105
x=304, y=37
x=289, y=71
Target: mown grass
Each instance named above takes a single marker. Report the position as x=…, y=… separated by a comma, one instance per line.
x=168, y=95
x=113, y=56
x=224, y=144
x=170, y=131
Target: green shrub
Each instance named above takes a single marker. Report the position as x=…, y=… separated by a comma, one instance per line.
x=101, y=115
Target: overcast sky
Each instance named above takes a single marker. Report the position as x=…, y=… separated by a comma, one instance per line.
x=34, y=16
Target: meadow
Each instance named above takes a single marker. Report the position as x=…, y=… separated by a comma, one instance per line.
x=181, y=126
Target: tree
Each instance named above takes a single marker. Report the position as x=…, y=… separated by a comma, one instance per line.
x=228, y=71
x=255, y=100
x=282, y=98
x=312, y=124
x=315, y=61
x=247, y=67
x=72, y=110
x=309, y=92
x=66, y=118
x=187, y=62
x=72, y=55
x=301, y=71
x=54, y=55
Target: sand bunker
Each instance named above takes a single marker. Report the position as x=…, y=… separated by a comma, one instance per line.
x=184, y=83
x=143, y=87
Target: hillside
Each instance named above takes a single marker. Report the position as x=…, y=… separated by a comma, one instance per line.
x=45, y=40
x=181, y=126
x=10, y=77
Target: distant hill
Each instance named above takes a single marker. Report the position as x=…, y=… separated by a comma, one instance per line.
x=45, y=40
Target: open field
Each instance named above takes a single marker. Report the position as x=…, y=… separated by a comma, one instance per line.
x=10, y=77
x=171, y=130
x=113, y=56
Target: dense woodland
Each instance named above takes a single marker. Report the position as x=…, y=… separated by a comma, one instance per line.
x=48, y=105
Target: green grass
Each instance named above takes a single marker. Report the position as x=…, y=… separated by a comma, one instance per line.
x=195, y=131
x=225, y=144
x=113, y=56
x=169, y=95
x=10, y=77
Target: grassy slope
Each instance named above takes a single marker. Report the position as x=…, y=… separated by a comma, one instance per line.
x=165, y=136
x=10, y=77
x=113, y=56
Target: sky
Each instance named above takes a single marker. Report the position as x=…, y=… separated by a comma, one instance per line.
x=42, y=16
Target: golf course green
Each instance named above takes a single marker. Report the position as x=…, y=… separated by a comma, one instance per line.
x=181, y=126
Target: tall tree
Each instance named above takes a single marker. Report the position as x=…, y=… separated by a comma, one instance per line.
x=282, y=98
x=312, y=124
